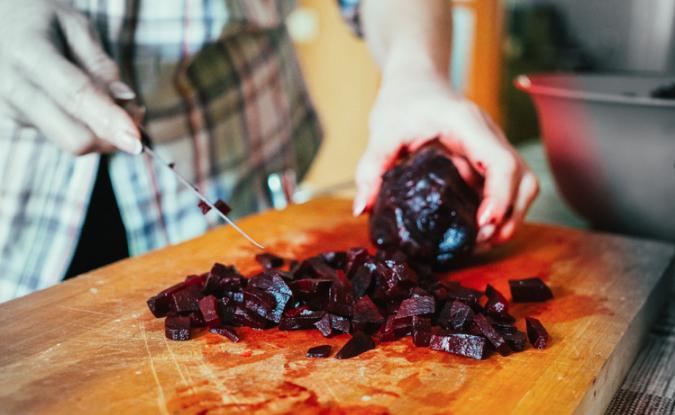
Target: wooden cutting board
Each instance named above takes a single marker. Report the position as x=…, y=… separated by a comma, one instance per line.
x=91, y=346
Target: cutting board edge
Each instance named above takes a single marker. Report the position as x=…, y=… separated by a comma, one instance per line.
x=597, y=398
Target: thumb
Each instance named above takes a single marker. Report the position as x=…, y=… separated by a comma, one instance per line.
x=372, y=165
x=84, y=44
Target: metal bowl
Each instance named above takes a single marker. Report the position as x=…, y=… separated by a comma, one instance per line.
x=611, y=147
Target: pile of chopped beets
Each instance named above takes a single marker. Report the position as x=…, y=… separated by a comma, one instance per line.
x=374, y=298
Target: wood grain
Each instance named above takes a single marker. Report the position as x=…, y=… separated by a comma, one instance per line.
x=90, y=345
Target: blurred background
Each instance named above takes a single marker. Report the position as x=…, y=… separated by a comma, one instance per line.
x=494, y=41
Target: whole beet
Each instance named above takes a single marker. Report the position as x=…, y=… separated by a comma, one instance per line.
x=426, y=210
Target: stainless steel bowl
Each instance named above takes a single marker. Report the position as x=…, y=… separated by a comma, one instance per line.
x=611, y=148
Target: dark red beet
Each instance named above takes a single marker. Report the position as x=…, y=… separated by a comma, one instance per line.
x=455, y=315
x=416, y=306
x=335, y=259
x=269, y=261
x=393, y=280
x=359, y=343
x=225, y=331
x=425, y=209
x=514, y=338
x=223, y=207
x=529, y=290
x=245, y=317
x=466, y=295
x=461, y=344
x=394, y=328
x=186, y=299
x=536, y=333
x=208, y=306
x=331, y=324
x=300, y=318
x=355, y=257
x=362, y=277
x=177, y=328
x=222, y=279
x=204, y=207
x=489, y=332
x=160, y=304
x=273, y=283
x=365, y=315
x=421, y=331
x=319, y=351
x=259, y=302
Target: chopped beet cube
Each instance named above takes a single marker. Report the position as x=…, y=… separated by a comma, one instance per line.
x=269, y=261
x=319, y=351
x=365, y=315
x=529, y=290
x=160, y=304
x=536, y=332
x=315, y=267
x=359, y=343
x=222, y=279
x=355, y=257
x=186, y=299
x=416, y=306
x=362, y=278
x=335, y=259
x=225, y=331
x=394, y=328
x=300, y=318
x=204, y=207
x=209, y=309
x=223, y=207
x=515, y=339
x=273, y=283
x=331, y=324
x=455, y=315
x=466, y=295
x=421, y=331
x=489, y=332
x=245, y=317
x=461, y=344
x=259, y=302
x=177, y=328
x=393, y=280
x=496, y=303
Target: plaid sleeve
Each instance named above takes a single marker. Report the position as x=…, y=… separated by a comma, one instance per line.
x=351, y=12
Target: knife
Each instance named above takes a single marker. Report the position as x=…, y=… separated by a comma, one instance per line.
x=134, y=112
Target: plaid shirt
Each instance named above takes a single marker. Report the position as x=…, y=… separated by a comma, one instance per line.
x=225, y=100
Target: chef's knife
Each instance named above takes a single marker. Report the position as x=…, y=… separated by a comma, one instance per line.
x=147, y=148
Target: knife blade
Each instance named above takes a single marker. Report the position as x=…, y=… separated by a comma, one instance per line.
x=147, y=148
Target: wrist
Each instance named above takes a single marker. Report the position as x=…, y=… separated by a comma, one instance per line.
x=408, y=63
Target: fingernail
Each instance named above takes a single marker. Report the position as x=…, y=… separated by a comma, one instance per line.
x=508, y=230
x=120, y=90
x=485, y=216
x=485, y=233
x=129, y=143
x=359, y=205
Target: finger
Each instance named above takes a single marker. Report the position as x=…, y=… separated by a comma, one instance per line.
x=74, y=91
x=43, y=113
x=368, y=180
x=85, y=46
x=527, y=192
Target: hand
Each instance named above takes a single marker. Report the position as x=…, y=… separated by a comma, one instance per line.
x=411, y=113
x=67, y=100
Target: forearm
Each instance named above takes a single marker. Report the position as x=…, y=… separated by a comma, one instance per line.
x=409, y=37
